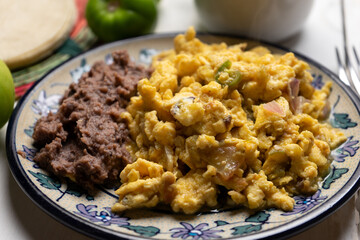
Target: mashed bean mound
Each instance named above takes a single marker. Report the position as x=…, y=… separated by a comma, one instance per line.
x=217, y=116
x=84, y=140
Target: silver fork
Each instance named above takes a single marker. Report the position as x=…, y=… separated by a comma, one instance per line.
x=357, y=59
x=347, y=72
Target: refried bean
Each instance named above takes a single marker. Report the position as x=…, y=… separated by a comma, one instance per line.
x=84, y=140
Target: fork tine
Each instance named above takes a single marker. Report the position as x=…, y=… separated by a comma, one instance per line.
x=353, y=78
x=357, y=59
x=342, y=73
x=346, y=71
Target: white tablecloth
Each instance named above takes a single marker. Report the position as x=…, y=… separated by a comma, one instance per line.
x=21, y=219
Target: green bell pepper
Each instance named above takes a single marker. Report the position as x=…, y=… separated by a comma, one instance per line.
x=113, y=20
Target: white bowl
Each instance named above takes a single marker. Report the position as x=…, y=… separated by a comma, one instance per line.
x=270, y=20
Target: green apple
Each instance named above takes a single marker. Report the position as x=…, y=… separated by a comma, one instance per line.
x=7, y=94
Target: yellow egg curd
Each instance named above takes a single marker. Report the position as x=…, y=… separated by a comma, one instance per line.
x=217, y=115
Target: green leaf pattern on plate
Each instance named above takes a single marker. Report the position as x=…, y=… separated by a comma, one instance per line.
x=241, y=230
x=148, y=231
x=334, y=174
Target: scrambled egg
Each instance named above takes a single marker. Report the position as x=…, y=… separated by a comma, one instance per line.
x=217, y=115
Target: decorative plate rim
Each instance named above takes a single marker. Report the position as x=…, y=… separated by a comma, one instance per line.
x=92, y=230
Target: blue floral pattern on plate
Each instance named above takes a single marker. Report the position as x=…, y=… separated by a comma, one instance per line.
x=304, y=204
x=195, y=232
x=104, y=217
x=317, y=82
x=347, y=149
x=44, y=104
x=79, y=71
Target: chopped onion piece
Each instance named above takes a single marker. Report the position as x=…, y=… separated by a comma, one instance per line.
x=274, y=107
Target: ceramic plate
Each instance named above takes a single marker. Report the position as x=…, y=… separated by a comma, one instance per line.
x=91, y=215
